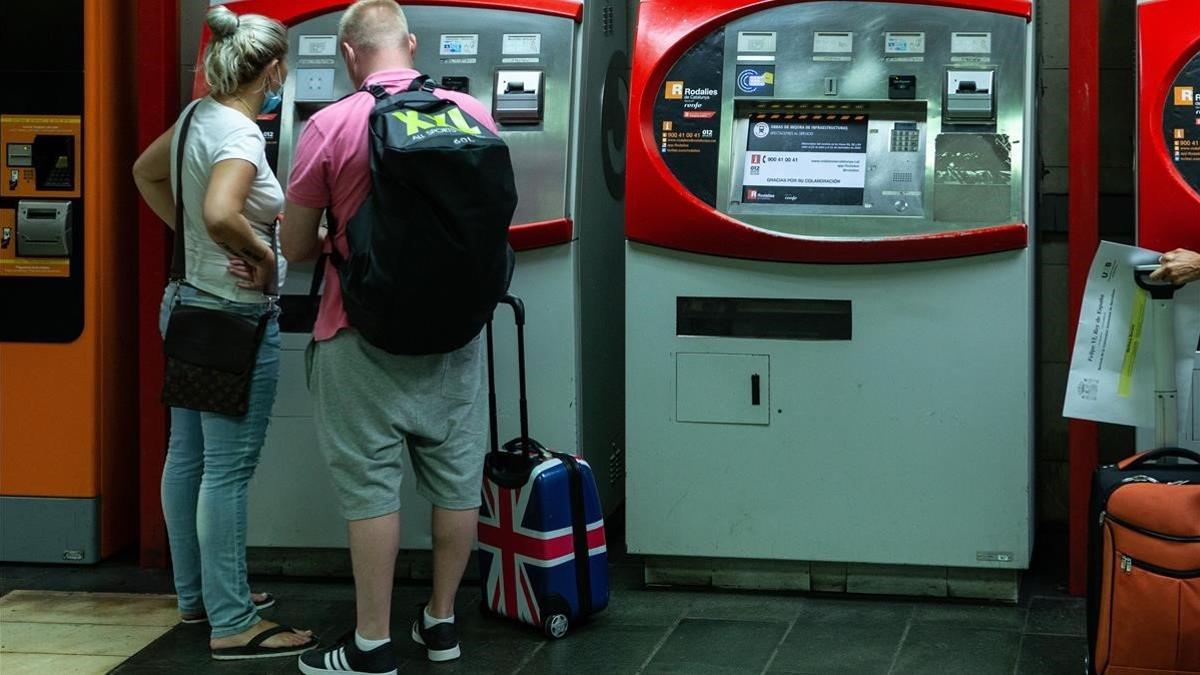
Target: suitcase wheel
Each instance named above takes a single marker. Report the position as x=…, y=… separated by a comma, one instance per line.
x=556, y=626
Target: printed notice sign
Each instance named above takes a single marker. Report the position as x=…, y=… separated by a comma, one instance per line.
x=459, y=45
x=1112, y=366
x=805, y=162
x=521, y=44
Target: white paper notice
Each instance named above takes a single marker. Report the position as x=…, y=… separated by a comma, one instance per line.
x=1112, y=366
x=806, y=169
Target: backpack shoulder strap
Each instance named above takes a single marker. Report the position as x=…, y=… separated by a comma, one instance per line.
x=422, y=83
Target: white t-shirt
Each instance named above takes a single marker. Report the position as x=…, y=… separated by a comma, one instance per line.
x=217, y=133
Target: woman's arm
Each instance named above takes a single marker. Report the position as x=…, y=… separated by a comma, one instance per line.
x=152, y=174
x=224, y=200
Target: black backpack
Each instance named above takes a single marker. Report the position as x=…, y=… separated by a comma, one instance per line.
x=429, y=255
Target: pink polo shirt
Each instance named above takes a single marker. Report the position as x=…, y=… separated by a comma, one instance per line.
x=331, y=169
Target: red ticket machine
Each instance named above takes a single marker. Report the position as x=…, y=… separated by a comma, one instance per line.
x=1168, y=150
x=554, y=73
x=829, y=313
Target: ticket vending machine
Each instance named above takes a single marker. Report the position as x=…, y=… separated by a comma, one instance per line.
x=68, y=462
x=1168, y=154
x=830, y=295
x=555, y=75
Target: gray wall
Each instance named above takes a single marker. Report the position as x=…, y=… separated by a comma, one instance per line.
x=1117, y=213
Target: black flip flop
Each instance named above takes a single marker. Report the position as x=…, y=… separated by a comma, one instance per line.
x=267, y=602
x=255, y=649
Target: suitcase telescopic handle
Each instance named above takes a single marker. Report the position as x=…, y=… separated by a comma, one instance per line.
x=1159, y=290
x=1161, y=453
x=524, y=443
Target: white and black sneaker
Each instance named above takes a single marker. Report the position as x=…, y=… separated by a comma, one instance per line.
x=345, y=657
x=440, y=640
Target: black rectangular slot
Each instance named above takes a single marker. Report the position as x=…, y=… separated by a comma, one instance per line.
x=764, y=318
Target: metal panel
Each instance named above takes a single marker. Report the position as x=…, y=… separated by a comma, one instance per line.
x=723, y=388
x=49, y=530
x=915, y=433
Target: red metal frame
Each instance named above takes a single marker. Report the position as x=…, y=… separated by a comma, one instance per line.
x=1168, y=208
x=157, y=107
x=527, y=236
x=522, y=236
x=660, y=211
x=1083, y=239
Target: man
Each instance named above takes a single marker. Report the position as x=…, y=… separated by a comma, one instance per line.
x=373, y=408
x=1180, y=266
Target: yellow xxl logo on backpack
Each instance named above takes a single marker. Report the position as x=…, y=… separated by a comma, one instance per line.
x=416, y=122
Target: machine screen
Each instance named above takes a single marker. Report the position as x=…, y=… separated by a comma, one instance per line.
x=805, y=161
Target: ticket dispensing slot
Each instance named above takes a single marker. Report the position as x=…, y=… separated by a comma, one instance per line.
x=43, y=229
x=970, y=96
x=518, y=97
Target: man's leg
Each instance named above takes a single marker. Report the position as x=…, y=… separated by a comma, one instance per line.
x=453, y=540
x=374, y=544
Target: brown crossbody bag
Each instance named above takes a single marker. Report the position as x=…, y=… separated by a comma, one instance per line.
x=210, y=353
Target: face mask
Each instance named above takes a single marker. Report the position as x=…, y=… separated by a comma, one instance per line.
x=272, y=100
x=271, y=103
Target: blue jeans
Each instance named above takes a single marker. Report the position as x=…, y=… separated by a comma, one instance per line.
x=210, y=460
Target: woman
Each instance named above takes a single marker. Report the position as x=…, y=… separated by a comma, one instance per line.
x=230, y=199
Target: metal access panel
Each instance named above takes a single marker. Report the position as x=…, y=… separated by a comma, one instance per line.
x=564, y=137
x=825, y=161
x=908, y=444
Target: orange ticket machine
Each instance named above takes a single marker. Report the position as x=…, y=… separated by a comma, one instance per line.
x=68, y=469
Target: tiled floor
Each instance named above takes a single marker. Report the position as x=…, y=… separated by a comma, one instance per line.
x=75, y=632
x=655, y=631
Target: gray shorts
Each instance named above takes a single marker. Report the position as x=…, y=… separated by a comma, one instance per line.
x=371, y=406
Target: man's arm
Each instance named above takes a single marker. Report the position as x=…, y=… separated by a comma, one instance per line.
x=299, y=234
x=308, y=195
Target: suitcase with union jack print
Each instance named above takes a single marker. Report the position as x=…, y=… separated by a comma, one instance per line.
x=542, y=554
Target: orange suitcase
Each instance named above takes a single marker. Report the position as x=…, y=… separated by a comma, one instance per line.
x=1144, y=604
x=1144, y=585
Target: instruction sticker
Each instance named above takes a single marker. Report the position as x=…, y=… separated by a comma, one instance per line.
x=833, y=46
x=521, y=44
x=459, y=45
x=756, y=80
x=970, y=43
x=805, y=162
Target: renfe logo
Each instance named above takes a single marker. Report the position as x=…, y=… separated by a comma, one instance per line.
x=674, y=90
x=1185, y=95
x=756, y=159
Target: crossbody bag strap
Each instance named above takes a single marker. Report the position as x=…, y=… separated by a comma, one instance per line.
x=178, y=264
